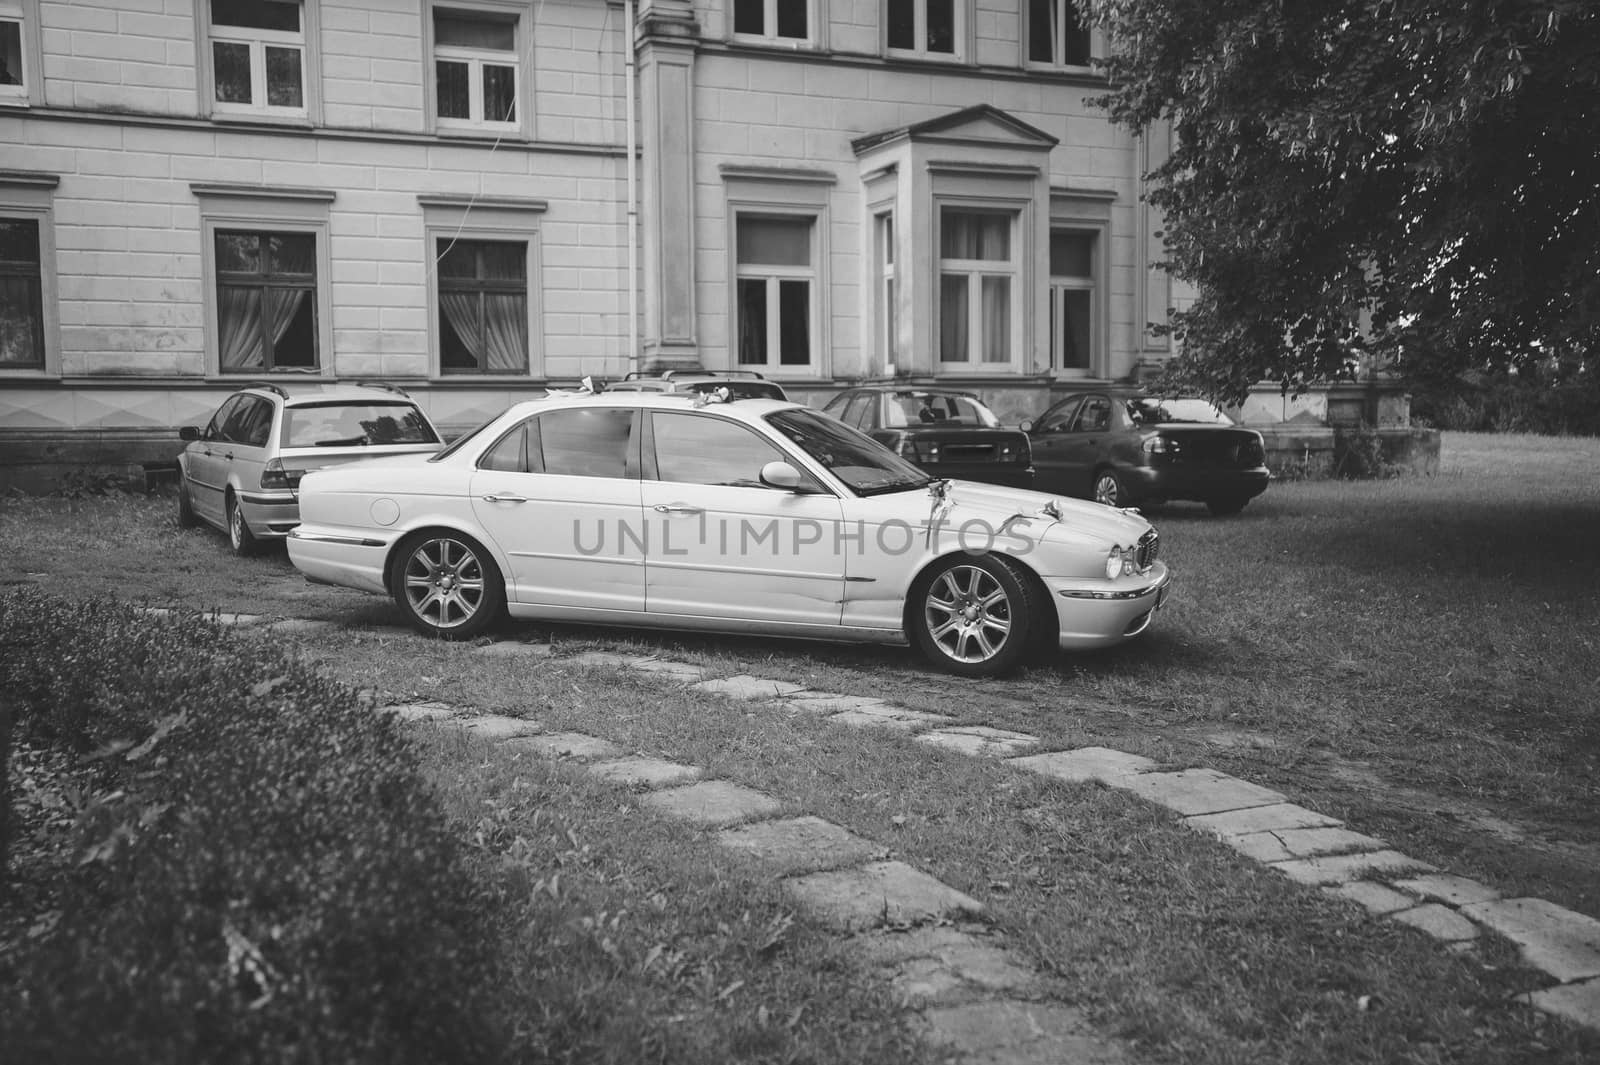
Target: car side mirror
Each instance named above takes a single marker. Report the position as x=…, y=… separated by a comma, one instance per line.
x=781, y=475
x=189, y=432
x=1026, y=425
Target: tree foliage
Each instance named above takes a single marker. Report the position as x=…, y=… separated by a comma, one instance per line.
x=1414, y=180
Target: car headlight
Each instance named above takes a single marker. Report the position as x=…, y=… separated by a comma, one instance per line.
x=1114, y=564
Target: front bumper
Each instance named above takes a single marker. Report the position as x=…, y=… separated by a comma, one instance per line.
x=1102, y=613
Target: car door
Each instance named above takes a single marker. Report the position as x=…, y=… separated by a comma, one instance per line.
x=1084, y=445
x=722, y=544
x=248, y=431
x=1048, y=437
x=207, y=466
x=559, y=495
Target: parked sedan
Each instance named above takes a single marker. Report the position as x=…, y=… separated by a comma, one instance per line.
x=698, y=512
x=1122, y=448
x=948, y=433
x=242, y=471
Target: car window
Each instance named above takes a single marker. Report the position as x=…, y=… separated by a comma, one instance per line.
x=1151, y=411
x=934, y=408
x=697, y=449
x=583, y=442
x=249, y=422
x=1094, y=416
x=858, y=412
x=1058, y=417
x=346, y=424
x=220, y=419
x=859, y=461
x=510, y=452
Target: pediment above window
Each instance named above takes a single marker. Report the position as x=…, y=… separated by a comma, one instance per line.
x=982, y=125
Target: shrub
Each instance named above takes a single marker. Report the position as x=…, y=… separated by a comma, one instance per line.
x=262, y=874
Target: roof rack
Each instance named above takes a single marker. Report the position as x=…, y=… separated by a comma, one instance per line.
x=386, y=386
x=668, y=375
x=269, y=386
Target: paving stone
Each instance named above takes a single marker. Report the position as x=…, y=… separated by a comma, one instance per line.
x=1017, y=1033
x=980, y=741
x=1440, y=922
x=742, y=686
x=1378, y=899
x=1552, y=938
x=677, y=670
x=878, y=894
x=602, y=658
x=234, y=619
x=713, y=803
x=647, y=772
x=1289, y=843
x=566, y=745
x=1273, y=818
x=940, y=964
x=500, y=726
x=897, y=718
x=1579, y=1003
x=1339, y=868
x=800, y=845
x=1198, y=791
x=303, y=627
x=419, y=711
x=829, y=703
x=515, y=649
x=1449, y=889
x=1085, y=764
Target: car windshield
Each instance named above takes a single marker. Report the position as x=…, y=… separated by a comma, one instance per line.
x=355, y=425
x=941, y=408
x=862, y=463
x=1147, y=411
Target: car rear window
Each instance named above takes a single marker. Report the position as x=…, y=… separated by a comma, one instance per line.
x=355, y=425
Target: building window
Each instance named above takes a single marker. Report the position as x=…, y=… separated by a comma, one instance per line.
x=258, y=57
x=772, y=20
x=1072, y=285
x=776, y=279
x=924, y=27
x=483, y=306
x=266, y=300
x=888, y=321
x=1057, y=35
x=21, y=295
x=977, y=285
x=477, y=70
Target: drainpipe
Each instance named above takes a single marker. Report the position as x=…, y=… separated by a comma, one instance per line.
x=631, y=43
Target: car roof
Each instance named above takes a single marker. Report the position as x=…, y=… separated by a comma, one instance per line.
x=915, y=390
x=745, y=409
x=294, y=395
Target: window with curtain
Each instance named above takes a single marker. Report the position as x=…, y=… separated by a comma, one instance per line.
x=776, y=20
x=266, y=301
x=14, y=71
x=476, y=62
x=258, y=56
x=483, y=306
x=1057, y=35
x=776, y=276
x=1072, y=284
x=977, y=275
x=923, y=27
x=21, y=295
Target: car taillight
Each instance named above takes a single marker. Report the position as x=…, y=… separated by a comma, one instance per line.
x=1252, y=454
x=1160, y=445
x=275, y=476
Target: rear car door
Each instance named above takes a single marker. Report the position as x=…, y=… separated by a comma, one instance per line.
x=1049, y=440
x=1084, y=445
x=248, y=432
x=207, y=466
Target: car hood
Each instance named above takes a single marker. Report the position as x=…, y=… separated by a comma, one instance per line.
x=994, y=504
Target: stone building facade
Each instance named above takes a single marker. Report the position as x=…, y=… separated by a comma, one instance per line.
x=437, y=194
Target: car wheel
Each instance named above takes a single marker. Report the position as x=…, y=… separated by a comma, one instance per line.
x=186, y=515
x=1109, y=489
x=1226, y=505
x=973, y=615
x=447, y=586
x=240, y=538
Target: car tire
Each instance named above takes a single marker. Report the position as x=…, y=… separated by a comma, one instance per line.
x=973, y=615
x=187, y=519
x=1109, y=489
x=240, y=538
x=447, y=586
x=1225, y=506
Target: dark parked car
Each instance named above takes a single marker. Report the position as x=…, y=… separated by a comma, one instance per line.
x=945, y=432
x=1121, y=448
x=741, y=384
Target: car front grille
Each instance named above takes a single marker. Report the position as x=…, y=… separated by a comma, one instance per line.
x=1149, y=547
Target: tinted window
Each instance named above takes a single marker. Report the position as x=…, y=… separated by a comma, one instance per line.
x=1095, y=415
x=249, y=422
x=858, y=412
x=921, y=408
x=707, y=450
x=220, y=419
x=1057, y=418
x=510, y=454
x=1159, y=411
x=584, y=442
x=355, y=424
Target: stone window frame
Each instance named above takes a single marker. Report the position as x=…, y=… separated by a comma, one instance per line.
x=30, y=196
x=1097, y=43
x=310, y=72
x=816, y=26
x=520, y=13
x=30, y=90
x=1086, y=211
x=266, y=208
x=497, y=218
x=962, y=43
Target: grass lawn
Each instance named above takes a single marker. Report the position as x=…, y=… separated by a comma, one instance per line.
x=1416, y=656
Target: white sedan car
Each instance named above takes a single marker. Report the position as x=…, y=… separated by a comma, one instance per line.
x=687, y=511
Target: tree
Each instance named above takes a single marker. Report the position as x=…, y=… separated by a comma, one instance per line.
x=1416, y=180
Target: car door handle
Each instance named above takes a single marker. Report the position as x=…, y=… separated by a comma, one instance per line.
x=504, y=499
x=678, y=508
